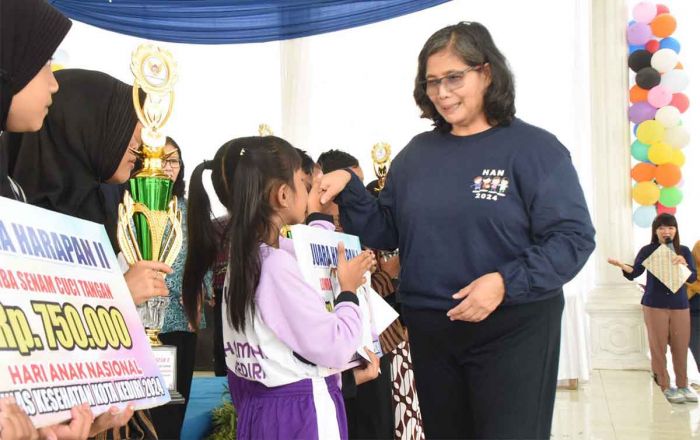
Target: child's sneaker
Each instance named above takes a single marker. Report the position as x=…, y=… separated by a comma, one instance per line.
x=688, y=394
x=674, y=396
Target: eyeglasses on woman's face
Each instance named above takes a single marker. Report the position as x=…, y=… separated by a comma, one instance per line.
x=452, y=81
x=173, y=163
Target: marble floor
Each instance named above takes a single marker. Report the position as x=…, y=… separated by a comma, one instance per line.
x=622, y=405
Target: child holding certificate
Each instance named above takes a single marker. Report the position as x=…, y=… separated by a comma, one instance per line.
x=280, y=341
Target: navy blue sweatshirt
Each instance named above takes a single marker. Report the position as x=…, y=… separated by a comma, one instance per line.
x=504, y=200
x=656, y=294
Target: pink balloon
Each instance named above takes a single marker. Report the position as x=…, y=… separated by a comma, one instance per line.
x=644, y=12
x=680, y=101
x=638, y=34
x=659, y=96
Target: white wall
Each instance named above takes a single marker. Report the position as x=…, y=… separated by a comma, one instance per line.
x=354, y=87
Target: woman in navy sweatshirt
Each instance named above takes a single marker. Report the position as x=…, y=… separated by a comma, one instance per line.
x=666, y=313
x=490, y=221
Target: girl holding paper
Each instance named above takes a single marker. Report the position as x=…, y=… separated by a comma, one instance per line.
x=278, y=335
x=666, y=313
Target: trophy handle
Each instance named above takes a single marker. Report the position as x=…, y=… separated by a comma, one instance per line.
x=165, y=227
x=125, y=234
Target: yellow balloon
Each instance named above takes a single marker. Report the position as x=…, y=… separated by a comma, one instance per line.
x=660, y=153
x=55, y=67
x=650, y=132
x=677, y=157
x=646, y=193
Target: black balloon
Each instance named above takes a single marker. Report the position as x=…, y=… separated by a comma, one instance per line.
x=647, y=78
x=639, y=59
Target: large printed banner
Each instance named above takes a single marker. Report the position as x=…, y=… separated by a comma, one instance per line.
x=69, y=330
x=316, y=251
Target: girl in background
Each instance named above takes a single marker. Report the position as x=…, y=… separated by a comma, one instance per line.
x=666, y=313
x=176, y=330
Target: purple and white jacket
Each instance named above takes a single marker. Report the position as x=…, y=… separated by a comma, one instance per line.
x=291, y=336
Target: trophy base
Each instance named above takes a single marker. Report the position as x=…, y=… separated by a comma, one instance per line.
x=152, y=334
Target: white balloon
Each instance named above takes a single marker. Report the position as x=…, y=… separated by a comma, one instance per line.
x=676, y=80
x=669, y=116
x=677, y=136
x=664, y=60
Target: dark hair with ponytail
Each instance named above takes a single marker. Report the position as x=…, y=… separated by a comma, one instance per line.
x=245, y=172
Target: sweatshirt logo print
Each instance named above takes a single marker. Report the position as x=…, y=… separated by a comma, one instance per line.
x=490, y=185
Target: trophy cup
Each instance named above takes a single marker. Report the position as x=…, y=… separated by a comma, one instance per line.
x=381, y=159
x=149, y=225
x=264, y=130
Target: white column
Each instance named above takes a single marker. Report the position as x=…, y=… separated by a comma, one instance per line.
x=296, y=80
x=618, y=337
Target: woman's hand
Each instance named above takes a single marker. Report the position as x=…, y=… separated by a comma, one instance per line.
x=615, y=262
x=332, y=184
x=78, y=428
x=368, y=371
x=481, y=297
x=146, y=280
x=14, y=422
x=625, y=267
x=111, y=419
x=678, y=259
x=351, y=274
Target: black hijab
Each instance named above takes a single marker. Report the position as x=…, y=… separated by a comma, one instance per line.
x=80, y=146
x=30, y=32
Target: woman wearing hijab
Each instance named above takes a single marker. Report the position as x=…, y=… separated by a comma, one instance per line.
x=85, y=141
x=30, y=32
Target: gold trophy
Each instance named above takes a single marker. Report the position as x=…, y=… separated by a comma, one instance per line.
x=149, y=225
x=264, y=130
x=381, y=159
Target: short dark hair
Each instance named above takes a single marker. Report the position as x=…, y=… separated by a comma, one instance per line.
x=307, y=163
x=666, y=220
x=333, y=160
x=472, y=42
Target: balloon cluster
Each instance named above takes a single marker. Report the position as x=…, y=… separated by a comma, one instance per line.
x=657, y=103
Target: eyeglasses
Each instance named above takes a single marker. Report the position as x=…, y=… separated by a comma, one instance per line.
x=453, y=81
x=173, y=163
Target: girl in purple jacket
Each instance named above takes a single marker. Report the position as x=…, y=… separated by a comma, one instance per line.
x=282, y=346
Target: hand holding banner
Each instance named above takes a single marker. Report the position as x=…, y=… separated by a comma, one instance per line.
x=316, y=253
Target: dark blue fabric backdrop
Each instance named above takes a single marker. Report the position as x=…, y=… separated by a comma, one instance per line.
x=233, y=21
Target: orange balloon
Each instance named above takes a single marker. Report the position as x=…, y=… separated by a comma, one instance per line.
x=663, y=25
x=668, y=174
x=643, y=172
x=638, y=94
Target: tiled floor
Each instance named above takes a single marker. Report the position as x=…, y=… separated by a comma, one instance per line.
x=622, y=405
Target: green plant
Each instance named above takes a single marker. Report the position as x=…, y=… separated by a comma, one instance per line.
x=223, y=422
